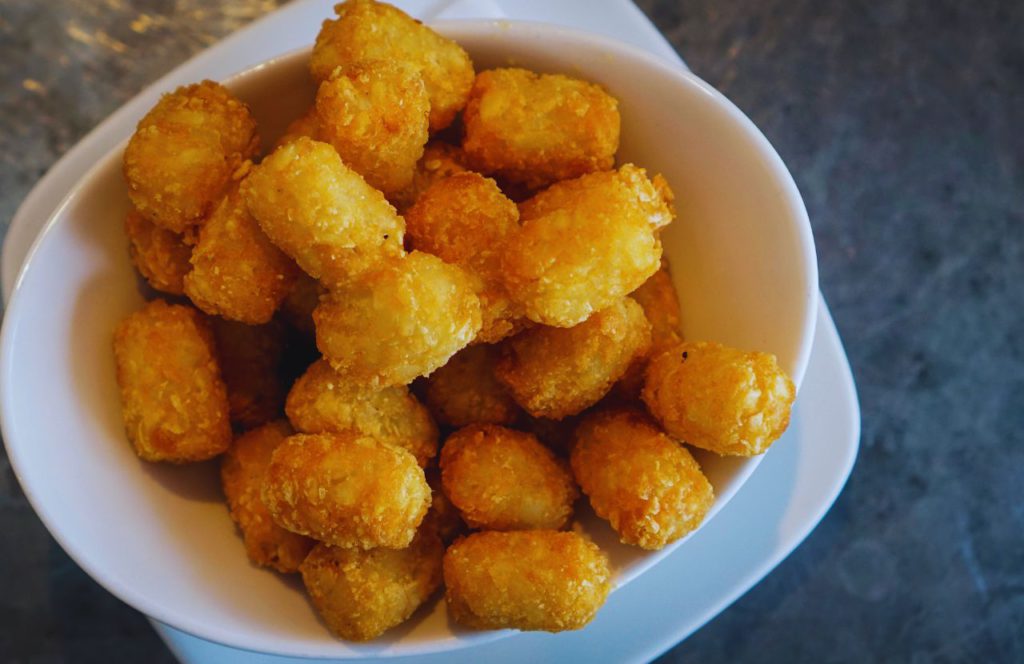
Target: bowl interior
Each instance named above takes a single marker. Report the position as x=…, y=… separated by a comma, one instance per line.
x=160, y=537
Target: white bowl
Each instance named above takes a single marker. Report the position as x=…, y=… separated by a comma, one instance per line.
x=159, y=537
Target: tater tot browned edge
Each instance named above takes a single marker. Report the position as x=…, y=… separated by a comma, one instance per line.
x=362, y=594
x=465, y=219
x=399, y=321
x=648, y=486
x=660, y=302
x=538, y=129
x=529, y=580
x=722, y=399
x=346, y=489
x=555, y=372
x=250, y=362
x=324, y=400
x=502, y=479
x=369, y=30
x=242, y=470
x=173, y=399
x=439, y=160
x=160, y=256
x=465, y=391
x=181, y=157
x=585, y=243
x=376, y=137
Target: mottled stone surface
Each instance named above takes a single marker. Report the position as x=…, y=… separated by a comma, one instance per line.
x=902, y=123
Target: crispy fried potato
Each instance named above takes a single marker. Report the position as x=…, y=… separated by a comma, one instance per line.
x=585, y=243
x=466, y=220
x=173, y=400
x=660, y=303
x=465, y=391
x=237, y=272
x=537, y=129
x=362, y=594
x=250, y=361
x=322, y=213
x=554, y=372
x=323, y=400
x=442, y=517
x=400, y=321
x=439, y=161
x=346, y=489
x=368, y=30
x=159, y=255
x=376, y=137
x=305, y=125
x=242, y=470
x=728, y=401
x=180, y=160
x=529, y=580
x=502, y=479
x=648, y=486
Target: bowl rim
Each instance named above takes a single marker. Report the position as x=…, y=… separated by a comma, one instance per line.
x=453, y=29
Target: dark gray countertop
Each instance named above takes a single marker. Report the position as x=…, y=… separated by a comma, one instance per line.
x=903, y=123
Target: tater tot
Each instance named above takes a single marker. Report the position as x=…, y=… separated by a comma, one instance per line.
x=322, y=213
x=159, y=255
x=528, y=580
x=466, y=220
x=400, y=321
x=585, y=243
x=648, y=486
x=728, y=401
x=376, y=137
x=537, y=129
x=346, y=489
x=465, y=391
x=250, y=361
x=173, y=400
x=242, y=470
x=554, y=372
x=502, y=479
x=237, y=272
x=362, y=594
x=439, y=160
x=442, y=517
x=305, y=125
x=660, y=303
x=184, y=151
x=323, y=400
x=368, y=30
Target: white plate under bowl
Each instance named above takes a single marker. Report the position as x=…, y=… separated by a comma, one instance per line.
x=159, y=537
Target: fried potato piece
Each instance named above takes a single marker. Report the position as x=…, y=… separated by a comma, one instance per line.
x=465, y=391
x=173, y=400
x=502, y=479
x=242, y=469
x=660, y=303
x=439, y=160
x=298, y=305
x=376, y=137
x=322, y=213
x=648, y=486
x=323, y=400
x=305, y=125
x=180, y=159
x=237, y=272
x=346, y=489
x=585, y=243
x=159, y=255
x=554, y=372
x=400, y=321
x=368, y=30
x=362, y=594
x=538, y=129
x=442, y=517
x=250, y=361
x=466, y=220
x=529, y=580
x=728, y=401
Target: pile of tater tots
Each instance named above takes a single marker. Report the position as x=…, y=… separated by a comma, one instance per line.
x=420, y=328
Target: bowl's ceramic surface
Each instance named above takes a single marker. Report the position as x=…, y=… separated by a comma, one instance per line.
x=159, y=537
